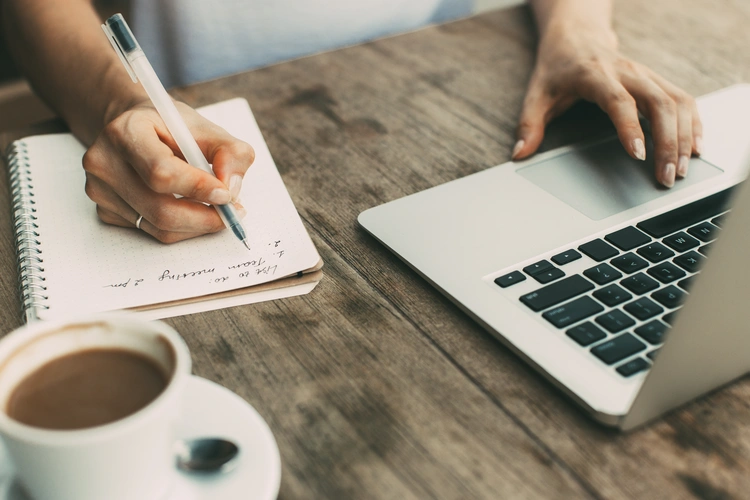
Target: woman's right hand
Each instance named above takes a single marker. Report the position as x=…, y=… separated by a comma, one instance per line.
x=134, y=168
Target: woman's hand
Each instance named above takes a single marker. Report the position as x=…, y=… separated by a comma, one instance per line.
x=578, y=63
x=134, y=168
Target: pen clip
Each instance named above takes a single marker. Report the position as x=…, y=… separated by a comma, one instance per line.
x=120, y=53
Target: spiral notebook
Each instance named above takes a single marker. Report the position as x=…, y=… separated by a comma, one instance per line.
x=70, y=262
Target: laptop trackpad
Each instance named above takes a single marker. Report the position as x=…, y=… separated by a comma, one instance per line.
x=602, y=180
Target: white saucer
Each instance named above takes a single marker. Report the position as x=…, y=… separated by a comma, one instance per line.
x=210, y=410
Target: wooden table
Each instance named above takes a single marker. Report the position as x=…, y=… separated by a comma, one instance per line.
x=375, y=385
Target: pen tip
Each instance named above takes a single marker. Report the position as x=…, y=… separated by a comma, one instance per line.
x=247, y=245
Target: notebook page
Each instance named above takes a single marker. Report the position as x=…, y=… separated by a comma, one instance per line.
x=90, y=266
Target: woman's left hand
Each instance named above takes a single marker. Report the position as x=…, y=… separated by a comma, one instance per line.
x=579, y=64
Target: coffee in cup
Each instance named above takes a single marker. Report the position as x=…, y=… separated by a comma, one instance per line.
x=86, y=389
x=88, y=406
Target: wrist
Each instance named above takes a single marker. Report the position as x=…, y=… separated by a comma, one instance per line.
x=563, y=44
x=122, y=93
x=574, y=33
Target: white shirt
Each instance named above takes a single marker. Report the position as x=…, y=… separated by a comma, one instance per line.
x=193, y=40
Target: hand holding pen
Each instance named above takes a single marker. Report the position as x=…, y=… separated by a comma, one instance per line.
x=135, y=167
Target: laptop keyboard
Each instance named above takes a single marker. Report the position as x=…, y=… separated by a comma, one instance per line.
x=620, y=308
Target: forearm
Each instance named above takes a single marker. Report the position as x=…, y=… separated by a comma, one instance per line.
x=62, y=50
x=555, y=17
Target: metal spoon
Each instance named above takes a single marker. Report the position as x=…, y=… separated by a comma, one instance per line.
x=206, y=455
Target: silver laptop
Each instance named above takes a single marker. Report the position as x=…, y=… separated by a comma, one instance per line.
x=631, y=298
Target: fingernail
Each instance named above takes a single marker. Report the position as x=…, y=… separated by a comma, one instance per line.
x=517, y=148
x=699, y=145
x=639, y=149
x=235, y=183
x=668, y=175
x=219, y=197
x=682, y=166
x=241, y=212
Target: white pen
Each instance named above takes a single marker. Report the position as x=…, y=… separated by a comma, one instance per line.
x=130, y=53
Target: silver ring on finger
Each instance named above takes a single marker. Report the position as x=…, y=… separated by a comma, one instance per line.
x=138, y=222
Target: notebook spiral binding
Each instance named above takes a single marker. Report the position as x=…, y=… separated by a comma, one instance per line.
x=29, y=256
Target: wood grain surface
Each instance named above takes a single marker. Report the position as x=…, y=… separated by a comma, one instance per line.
x=375, y=385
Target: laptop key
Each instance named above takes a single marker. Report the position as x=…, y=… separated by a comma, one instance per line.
x=509, y=279
x=681, y=241
x=704, y=231
x=633, y=366
x=538, y=267
x=557, y=292
x=602, y=274
x=586, y=333
x=718, y=221
x=652, y=354
x=572, y=312
x=644, y=308
x=639, y=283
x=666, y=272
x=690, y=261
x=627, y=238
x=652, y=332
x=615, y=321
x=612, y=295
x=705, y=248
x=548, y=276
x=618, y=348
x=687, y=215
x=598, y=250
x=629, y=263
x=669, y=296
x=565, y=257
x=655, y=252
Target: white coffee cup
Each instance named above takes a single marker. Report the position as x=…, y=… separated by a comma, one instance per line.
x=131, y=458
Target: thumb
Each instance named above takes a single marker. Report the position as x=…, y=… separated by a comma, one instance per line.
x=534, y=116
x=230, y=158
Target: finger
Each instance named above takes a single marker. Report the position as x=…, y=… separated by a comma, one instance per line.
x=170, y=236
x=684, y=137
x=697, y=130
x=147, y=227
x=115, y=219
x=536, y=106
x=689, y=127
x=166, y=236
x=615, y=100
x=132, y=198
x=109, y=203
x=112, y=218
x=661, y=110
x=159, y=167
x=229, y=157
x=696, y=125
